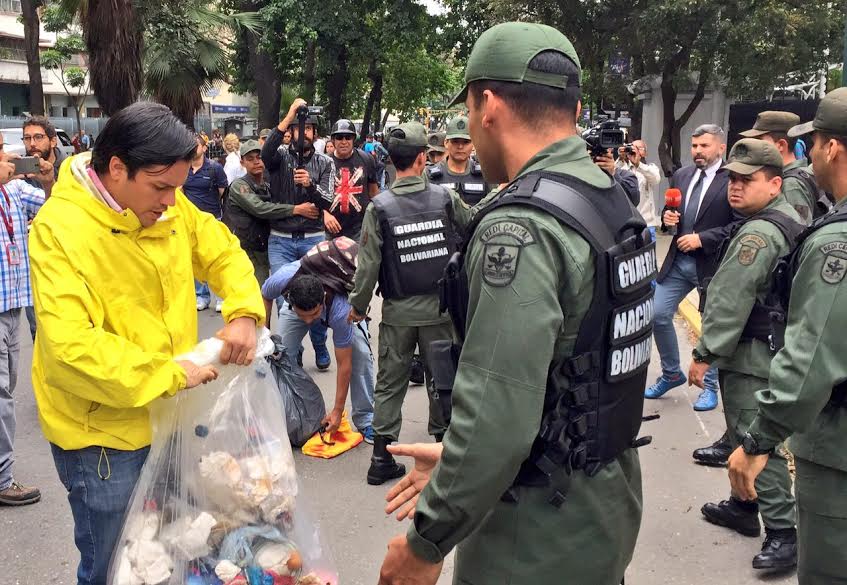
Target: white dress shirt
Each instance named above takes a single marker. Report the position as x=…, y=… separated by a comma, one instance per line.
x=711, y=171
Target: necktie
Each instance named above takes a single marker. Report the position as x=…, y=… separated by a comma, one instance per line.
x=690, y=215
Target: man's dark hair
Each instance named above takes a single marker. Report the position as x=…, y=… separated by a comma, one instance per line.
x=403, y=156
x=777, y=136
x=305, y=292
x=44, y=122
x=143, y=134
x=534, y=103
x=839, y=138
x=771, y=172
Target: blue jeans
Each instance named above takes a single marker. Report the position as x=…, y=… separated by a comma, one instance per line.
x=100, y=483
x=680, y=281
x=201, y=289
x=283, y=251
x=292, y=330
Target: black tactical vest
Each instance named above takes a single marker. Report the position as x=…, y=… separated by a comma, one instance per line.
x=594, y=398
x=418, y=238
x=251, y=231
x=471, y=187
x=820, y=202
x=783, y=278
x=766, y=321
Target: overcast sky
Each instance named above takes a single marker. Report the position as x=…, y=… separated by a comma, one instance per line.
x=432, y=6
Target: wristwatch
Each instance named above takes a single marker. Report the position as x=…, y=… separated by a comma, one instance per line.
x=699, y=357
x=750, y=444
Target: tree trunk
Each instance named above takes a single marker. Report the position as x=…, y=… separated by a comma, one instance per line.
x=385, y=119
x=309, y=72
x=32, y=32
x=115, y=45
x=78, y=103
x=337, y=84
x=374, y=98
x=666, y=143
x=267, y=83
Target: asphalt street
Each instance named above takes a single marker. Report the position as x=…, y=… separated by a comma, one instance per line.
x=676, y=546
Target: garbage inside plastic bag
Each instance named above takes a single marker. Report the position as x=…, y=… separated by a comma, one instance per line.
x=218, y=501
x=304, y=404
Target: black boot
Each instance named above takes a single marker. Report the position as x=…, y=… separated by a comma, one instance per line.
x=743, y=517
x=779, y=550
x=715, y=454
x=416, y=370
x=383, y=467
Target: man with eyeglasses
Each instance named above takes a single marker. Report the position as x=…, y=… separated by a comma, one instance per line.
x=356, y=181
x=40, y=139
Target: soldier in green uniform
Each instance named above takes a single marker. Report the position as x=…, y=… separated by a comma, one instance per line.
x=736, y=331
x=249, y=208
x=798, y=185
x=408, y=234
x=806, y=396
x=459, y=170
x=517, y=483
x=436, y=150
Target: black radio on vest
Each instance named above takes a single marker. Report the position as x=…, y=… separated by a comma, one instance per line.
x=418, y=239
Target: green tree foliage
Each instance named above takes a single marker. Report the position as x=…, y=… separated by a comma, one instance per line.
x=65, y=61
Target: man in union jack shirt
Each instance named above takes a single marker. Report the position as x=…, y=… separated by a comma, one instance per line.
x=19, y=202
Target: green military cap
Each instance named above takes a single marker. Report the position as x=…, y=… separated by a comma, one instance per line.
x=436, y=142
x=250, y=146
x=503, y=53
x=750, y=155
x=458, y=128
x=265, y=133
x=767, y=122
x=408, y=134
x=831, y=116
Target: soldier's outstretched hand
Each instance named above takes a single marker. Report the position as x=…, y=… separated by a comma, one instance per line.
x=404, y=495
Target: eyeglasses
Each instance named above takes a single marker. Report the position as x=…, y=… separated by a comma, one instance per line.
x=344, y=137
x=34, y=137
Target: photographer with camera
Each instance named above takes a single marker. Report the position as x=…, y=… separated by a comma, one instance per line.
x=632, y=157
x=603, y=139
x=303, y=178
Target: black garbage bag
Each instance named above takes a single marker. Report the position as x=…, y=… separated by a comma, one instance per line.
x=304, y=403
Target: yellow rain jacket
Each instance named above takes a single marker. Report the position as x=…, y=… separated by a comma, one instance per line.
x=115, y=303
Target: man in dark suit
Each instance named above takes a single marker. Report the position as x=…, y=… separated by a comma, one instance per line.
x=702, y=224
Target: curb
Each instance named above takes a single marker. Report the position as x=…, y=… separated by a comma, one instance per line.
x=689, y=312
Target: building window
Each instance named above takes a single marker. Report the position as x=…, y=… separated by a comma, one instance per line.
x=10, y=6
x=93, y=113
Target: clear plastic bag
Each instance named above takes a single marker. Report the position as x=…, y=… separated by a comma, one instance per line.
x=218, y=501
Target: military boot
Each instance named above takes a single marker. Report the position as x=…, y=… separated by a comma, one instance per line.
x=715, y=454
x=779, y=550
x=743, y=517
x=383, y=467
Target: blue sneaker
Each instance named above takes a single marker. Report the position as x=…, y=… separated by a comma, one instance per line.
x=368, y=434
x=708, y=400
x=322, y=359
x=662, y=385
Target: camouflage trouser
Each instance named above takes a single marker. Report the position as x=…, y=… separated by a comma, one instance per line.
x=261, y=265
x=396, y=348
x=776, y=502
x=822, y=527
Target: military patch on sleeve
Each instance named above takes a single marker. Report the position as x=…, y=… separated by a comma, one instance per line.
x=750, y=246
x=244, y=189
x=503, y=242
x=834, y=263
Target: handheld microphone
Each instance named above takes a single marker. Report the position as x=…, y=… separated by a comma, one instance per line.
x=673, y=201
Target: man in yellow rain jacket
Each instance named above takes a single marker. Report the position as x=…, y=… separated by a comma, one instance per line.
x=114, y=254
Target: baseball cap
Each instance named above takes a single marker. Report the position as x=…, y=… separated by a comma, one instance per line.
x=458, y=128
x=503, y=53
x=831, y=116
x=436, y=142
x=767, y=122
x=265, y=133
x=750, y=155
x=250, y=146
x=408, y=134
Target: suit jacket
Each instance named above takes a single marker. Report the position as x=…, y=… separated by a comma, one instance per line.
x=713, y=224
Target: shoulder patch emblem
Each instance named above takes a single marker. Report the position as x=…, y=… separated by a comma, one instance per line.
x=834, y=263
x=503, y=242
x=244, y=189
x=750, y=246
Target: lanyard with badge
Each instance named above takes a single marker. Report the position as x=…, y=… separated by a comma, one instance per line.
x=13, y=253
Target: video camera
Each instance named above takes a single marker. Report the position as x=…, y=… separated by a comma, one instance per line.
x=309, y=111
x=606, y=134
